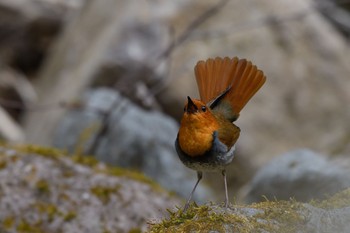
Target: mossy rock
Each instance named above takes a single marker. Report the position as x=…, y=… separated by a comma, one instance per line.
x=44, y=190
x=332, y=215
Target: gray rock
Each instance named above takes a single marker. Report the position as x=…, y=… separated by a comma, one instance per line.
x=300, y=174
x=128, y=136
x=327, y=221
x=51, y=193
x=110, y=30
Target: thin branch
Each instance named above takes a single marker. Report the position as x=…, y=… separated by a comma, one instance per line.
x=191, y=27
x=181, y=39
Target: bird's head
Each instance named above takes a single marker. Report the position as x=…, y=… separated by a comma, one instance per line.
x=197, y=113
x=194, y=106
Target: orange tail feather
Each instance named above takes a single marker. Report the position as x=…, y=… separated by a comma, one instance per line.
x=241, y=77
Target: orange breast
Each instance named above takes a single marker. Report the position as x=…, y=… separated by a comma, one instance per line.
x=196, y=133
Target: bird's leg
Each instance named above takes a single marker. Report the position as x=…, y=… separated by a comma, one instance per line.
x=199, y=177
x=226, y=192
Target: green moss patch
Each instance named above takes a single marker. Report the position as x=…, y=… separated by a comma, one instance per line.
x=25, y=227
x=104, y=193
x=85, y=160
x=289, y=215
x=40, y=150
x=134, y=175
x=199, y=219
x=42, y=186
x=267, y=216
x=70, y=216
x=8, y=223
x=339, y=200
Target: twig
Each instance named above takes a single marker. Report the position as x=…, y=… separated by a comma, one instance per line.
x=181, y=39
x=191, y=27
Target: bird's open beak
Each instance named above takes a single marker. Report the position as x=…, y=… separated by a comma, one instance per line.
x=191, y=107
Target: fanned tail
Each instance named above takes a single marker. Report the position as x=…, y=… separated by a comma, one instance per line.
x=237, y=78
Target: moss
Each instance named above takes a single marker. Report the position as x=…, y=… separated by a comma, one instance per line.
x=89, y=161
x=42, y=186
x=25, y=227
x=198, y=219
x=268, y=217
x=48, y=209
x=3, y=164
x=8, y=223
x=51, y=212
x=70, y=216
x=104, y=193
x=40, y=150
x=85, y=160
x=134, y=175
x=339, y=200
x=287, y=213
x=135, y=230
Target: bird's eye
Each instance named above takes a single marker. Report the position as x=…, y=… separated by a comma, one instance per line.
x=204, y=108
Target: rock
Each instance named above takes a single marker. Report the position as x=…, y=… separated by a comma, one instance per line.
x=120, y=133
x=44, y=191
x=301, y=174
x=331, y=215
x=131, y=64
x=304, y=57
x=337, y=13
x=28, y=29
x=108, y=30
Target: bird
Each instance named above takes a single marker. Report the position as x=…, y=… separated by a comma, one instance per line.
x=207, y=135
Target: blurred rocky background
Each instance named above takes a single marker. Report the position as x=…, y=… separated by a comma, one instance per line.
x=109, y=79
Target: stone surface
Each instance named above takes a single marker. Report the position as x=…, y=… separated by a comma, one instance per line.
x=301, y=174
x=129, y=137
x=45, y=191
